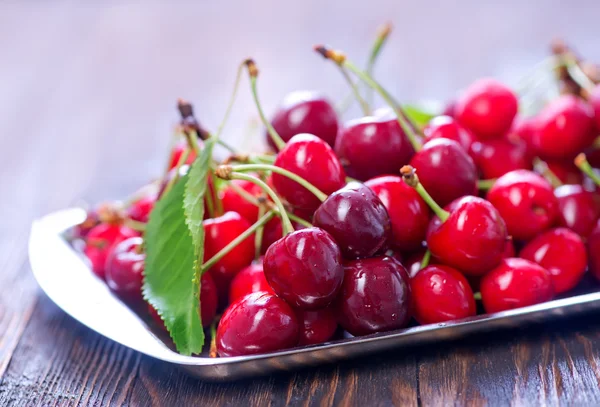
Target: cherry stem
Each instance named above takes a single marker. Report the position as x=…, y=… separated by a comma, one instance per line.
x=425, y=260
x=363, y=103
x=382, y=36
x=485, y=184
x=409, y=175
x=192, y=139
x=135, y=225
x=210, y=203
x=212, y=353
x=258, y=237
x=232, y=99
x=182, y=159
x=547, y=173
x=253, y=72
x=477, y=296
x=577, y=74
x=523, y=84
x=299, y=220
x=583, y=164
x=278, y=170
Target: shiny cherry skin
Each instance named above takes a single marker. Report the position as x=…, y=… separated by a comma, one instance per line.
x=257, y=323
x=305, y=112
x=305, y=268
x=522, y=131
x=526, y=202
x=487, y=108
x=176, y=153
x=125, y=267
x=372, y=146
x=593, y=246
x=445, y=170
x=472, y=239
x=100, y=241
x=578, y=208
x=316, y=326
x=312, y=159
x=233, y=201
x=494, y=158
x=515, y=283
x=250, y=280
x=595, y=103
x=450, y=109
x=375, y=296
x=441, y=293
x=183, y=170
x=565, y=127
x=273, y=231
x=448, y=128
x=409, y=214
x=562, y=252
x=566, y=171
x=140, y=209
x=356, y=219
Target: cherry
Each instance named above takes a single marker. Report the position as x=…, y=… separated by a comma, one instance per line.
x=272, y=232
x=140, y=209
x=413, y=262
x=487, y=108
x=305, y=112
x=450, y=108
x=440, y=294
x=445, y=170
x=91, y=220
x=316, y=326
x=233, y=201
x=125, y=267
x=561, y=252
x=515, y=283
x=99, y=242
x=176, y=153
x=566, y=171
x=372, y=146
x=409, y=214
x=526, y=202
x=578, y=208
x=448, y=128
x=595, y=103
x=257, y=323
x=305, y=268
x=250, y=280
x=509, y=249
x=522, y=131
x=375, y=296
x=593, y=243
x=565, y=127
x=495, y=158
x=312, y=159
x=356, y=219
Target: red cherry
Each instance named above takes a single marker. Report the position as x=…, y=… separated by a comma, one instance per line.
x=375, y=296
x=140, y=209
x=509, y=249
x=232, y=201
x=487, y=108
x=450, y=109
x=91, y=220
x=373, y=146
x=495, y=158
x=257, y=323
x=472, y=239
x=409, y=214
x=516, y=283
x=522, y=131
x=562, y=253
x=413, y=263
x=305, y=268
x=525, y=201
x=445, y=170
x=578, y=208
x=176, y=153
x=448, y=128
x=566, y=171
x=316, y=326
x=99, y=242
x=593, y=243
x=356, y=219
x=440, y=294
x=124, y=268
x=595, y=103
x=312, y=159
x=250, y=280
x=272, y=232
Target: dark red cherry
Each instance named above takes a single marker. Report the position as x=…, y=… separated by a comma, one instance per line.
x=176, y=153
x=312, y=159
x=595, y=103
x=440, y=294
x=250, y=280
x=561, y=252
x=525, y=201
x=356, y=219
x=233, y=201
x=273, y=231
x=305, y=268
x=124, y=268
x=99, y=242
x=515, y=283
x=316, y=326
x=448, y=128
x=409, y=214
x=487, y=108
x=565, y=127
x=373, y=146
x=578, y=208
x=445, y=170
x=140, y=209
x=472, y=239
x=375, y=296
x=593, y=246
x=257, y=323
x=495, y=158
x=566, y=171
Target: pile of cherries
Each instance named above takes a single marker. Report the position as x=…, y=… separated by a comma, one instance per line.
x=412, y=237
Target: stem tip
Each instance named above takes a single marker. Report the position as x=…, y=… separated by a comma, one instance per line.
x=224, y=172
x=409, y=174
x=252, y=68
x=327, y=53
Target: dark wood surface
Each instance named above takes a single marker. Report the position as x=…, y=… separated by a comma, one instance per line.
x=87, y=96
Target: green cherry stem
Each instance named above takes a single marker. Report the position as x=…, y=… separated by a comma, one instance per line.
x=409, y=175
x=182, y=159
x=299, y=220
x=258, y=237
x=232, y=99
x=577, y=74
x=382, y=36
x=547, y=173
x=485, y=184
x=583, y=164
x=425, y=261
x=477, y=296
x=363, y=103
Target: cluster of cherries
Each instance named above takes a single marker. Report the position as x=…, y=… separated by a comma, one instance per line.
x=400, y=232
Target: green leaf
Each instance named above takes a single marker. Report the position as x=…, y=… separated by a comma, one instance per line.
x=169, y=274
x=418, y=115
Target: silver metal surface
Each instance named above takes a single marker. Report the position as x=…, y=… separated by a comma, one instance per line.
x=66, y=279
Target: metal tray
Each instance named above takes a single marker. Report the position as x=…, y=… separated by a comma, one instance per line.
x=64, y=276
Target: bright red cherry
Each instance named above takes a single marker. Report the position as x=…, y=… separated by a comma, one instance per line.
x=305, y=268
x=375, y=296
x=561, y=252
x=525, y=201
x=515, y=283
x=100, y=241
x=450, y=108
x=373, y=146
x=250, y=280
x=566, y=171
x=176, y=153
x=578, y=208
x=316, y=326
x=495, y=158
x=233, y=201
x=509, y=249
x=522, y=131
x=312, y=159
x=440, y=294
x=140, y=209
x=124, y=268
x=445, y=170
x=448, y=128
x=257, y=323
x=487, y=108
x=593, y=243
x=595, y=103
x=356, y=219
x=409, y=214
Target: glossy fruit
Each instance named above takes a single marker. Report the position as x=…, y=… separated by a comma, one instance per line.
x=257, y=323
x=375, y=296
x=516, y=283
x=305, y=268
x=124, y=268
x=561, y=252
x=176, y=153
x=312, y=159
x=316, y=326
x=140, y=209
x=441, y=293
x=578, y=208
x=526, y=202
x=566, y=171
x=593, y=246
x=100, y=241
x=448, y=128
x=495, y=158
x=233, y=201
x=522, y=131
x=305, y=112
x=250, y=280
x=356, y=219
x=595, y=103
x=445, y=170
x=487, y=108
x=372, y=146
x=91, y=220
x=472, y=239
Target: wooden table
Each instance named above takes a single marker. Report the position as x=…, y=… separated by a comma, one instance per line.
x=87, y=95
